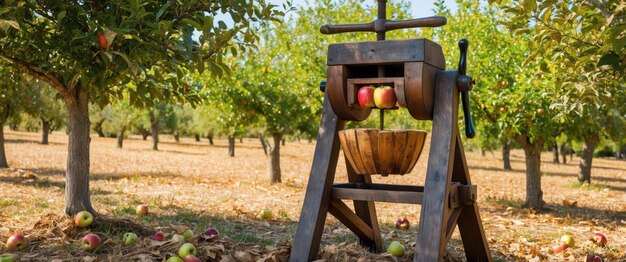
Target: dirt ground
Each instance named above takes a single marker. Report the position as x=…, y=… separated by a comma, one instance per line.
x=193, y=185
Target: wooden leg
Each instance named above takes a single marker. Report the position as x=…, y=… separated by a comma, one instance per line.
x=431, y=238
x=469, y=222
x=367, y=212
x=318, y=192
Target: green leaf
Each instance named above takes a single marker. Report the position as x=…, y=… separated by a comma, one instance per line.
x=5, y=24
x=610, y=58
x=133, y=66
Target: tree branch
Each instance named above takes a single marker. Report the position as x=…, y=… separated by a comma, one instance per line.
x=38, y=73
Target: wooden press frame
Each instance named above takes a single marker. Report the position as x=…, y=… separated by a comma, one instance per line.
x=448, y=197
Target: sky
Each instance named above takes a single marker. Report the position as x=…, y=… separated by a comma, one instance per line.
x=419, y=8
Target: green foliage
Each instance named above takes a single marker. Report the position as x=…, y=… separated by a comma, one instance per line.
x=582, y=45
x=509, y=99
x=151, y=43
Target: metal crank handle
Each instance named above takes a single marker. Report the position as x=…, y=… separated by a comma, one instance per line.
x=465, y=84
x=470, y=131
x=384, y=25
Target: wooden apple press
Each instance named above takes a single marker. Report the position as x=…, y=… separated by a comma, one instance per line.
x=415, y=68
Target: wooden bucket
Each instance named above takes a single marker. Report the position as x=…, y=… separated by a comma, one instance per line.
x=371, y=151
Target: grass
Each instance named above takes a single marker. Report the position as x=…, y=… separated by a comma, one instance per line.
x=192, y=185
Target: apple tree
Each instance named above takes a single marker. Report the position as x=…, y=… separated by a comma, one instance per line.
x=46, y=107
x=509, y=99
x=585, y=41
x=90, y=50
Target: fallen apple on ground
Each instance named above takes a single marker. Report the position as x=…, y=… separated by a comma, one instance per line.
x=403, y=223
x=158, y=236
x=16, y=241
x=186, y=250
x=192, y=258
x=396, y=249
x=178, y=238
x=7, y=258
x=141, y=210
x=599, y=239
x=266, y=214
x=130, y=238
x=366, y=96
x=568, y=240
x=188, y=234
x=211, y=232
x=560, y=248
x=384, y=97
x=174, y=259
x=83, y=219
x=594, y=258
x=91, y=242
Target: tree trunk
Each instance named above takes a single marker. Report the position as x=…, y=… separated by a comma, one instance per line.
x=197, y=137
x=482, y=151
x=506, y=155
x=264, y=144
x=77, y=174
x=13, y=127
x=98, y=128
x=555, y=153
x=45, y=130
x=534, y=195
x=177, y=137
x=274, y=158
x=154, y=127
x=210, y=137
x=241, y=140
x=563, y=153
x=120, y=137
x=282, y=141
x=144, y=133
x=3, y=157
x=586, y=157
x=231, y=145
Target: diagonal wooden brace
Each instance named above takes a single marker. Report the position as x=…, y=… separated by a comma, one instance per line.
x=353, y=222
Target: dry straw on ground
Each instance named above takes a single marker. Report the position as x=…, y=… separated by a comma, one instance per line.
x=193, y=185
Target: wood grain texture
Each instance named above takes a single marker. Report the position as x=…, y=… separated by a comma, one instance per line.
x=345, y=215
x=419, y=89
x=432, y=225
x=386, y=52
x=336, y=89
x=371, y=151
x=366, y=210
x=319, y=188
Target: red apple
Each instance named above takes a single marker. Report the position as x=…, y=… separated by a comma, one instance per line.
x=83, y=219
x=142, y=209
x=211, y=232
x=503, y=110
x=91, y=242
x=403, y=223
x=540, y=111
x=102, y=40
x=559, y=248
x=158, y=236
x=16, y=241
x=384, y=97
x=599, y=239
x=594, y=258
x=192, y=258
x=366, y=97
